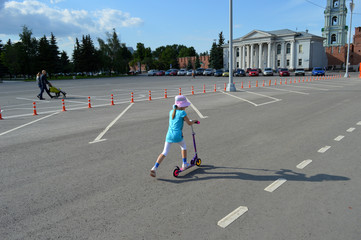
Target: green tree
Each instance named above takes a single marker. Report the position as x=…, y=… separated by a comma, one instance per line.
x=11, y=57
x=3, y=68
x=88, y=56
x=64, y=63
x=54, y=60
x=29, y=52
x=216, y=53
x=197, y=64
x=190, y=65
x=43, y=54
x=76, y=56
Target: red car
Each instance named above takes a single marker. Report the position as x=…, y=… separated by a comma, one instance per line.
x=173, y=73
x=284, y=72
x=160, y=73
x=253, y=72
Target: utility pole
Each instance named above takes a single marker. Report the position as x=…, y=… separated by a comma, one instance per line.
x=352, y=5
x=231, y=87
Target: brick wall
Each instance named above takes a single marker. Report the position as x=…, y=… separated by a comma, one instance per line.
x=183, y=62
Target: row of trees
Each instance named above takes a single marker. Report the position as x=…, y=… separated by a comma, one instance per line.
x=29, y=55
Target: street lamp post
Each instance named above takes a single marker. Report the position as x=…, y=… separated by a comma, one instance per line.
x=352, y=5
x=230, y=87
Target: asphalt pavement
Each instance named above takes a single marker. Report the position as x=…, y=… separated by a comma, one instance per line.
x=279, y=161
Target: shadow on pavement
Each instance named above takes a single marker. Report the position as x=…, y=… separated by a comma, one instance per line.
x=207, y=172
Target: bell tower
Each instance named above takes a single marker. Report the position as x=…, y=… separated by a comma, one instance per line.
x=335, y=30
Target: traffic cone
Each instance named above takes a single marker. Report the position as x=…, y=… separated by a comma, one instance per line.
x=225, y=86
x=215, y=88
x=263, y=83
x=192, y=90
x=165, y=93
x=89, y=105
x=204, y=88
x=286, y=81
x=180, y=91
x=242, y=85
x=112, y=103
x=63, y=103
x=34, y=109
x=150, y=96
x=1, y=118
x=132, y=97
x=269, y=84
x=280, y=81
x=249, y=84
x=275, y=82
x=257, y=83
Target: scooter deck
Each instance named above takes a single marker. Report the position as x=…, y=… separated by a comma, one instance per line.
x=177, y=170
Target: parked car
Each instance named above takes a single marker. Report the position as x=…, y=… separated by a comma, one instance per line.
x=283, y=72
x=317, y=71
x=239, y=73
x=259, y=71
x=225, y=73
x=300, y=72
x=152, y=72
x=160, y=73
x=167, y=73
x=173, y=72
x=208, y=72
x=248, y=69
x=182, y=72
x=189, y=72
x=218, y=73
x=199, y=71
x=268, y=72
x=253, y=72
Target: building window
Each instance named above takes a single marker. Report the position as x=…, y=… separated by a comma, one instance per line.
x=279, y=49
x=278, y=63
x=335, y=3
x=288, y=48
x=237, y=52
x=300, y=62
x=245, y=51
x=333, y=39
x=237, y=64
x=300, y=49
x=334, y=21
x=288, y=62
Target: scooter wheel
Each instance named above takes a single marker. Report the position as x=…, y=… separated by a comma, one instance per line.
x=192, y=162
x=176, y=172
x=198, y=162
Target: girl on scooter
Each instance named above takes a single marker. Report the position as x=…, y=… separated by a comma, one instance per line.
x=177, y=116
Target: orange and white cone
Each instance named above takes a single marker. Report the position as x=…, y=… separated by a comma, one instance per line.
x=63, y=103
x=34, y=109
x=165, y=93
x=150, y=96
x=132, y=97
x=1, y=118
x=112, y=102
x=89, y=104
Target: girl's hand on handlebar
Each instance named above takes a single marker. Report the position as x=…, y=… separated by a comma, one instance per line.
x=196, y=121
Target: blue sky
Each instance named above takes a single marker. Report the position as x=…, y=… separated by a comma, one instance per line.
x=159, y=22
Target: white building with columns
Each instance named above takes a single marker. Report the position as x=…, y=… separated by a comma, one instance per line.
x=277, y=49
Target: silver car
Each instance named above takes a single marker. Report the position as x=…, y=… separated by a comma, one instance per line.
x=189, y=72
x=268, y=72
x=208, y=72
x=182, y=72
x=152, y=72
x=300, y=72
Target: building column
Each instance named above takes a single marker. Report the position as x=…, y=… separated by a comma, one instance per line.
x=260, y=65
x=243, y=57
x=248, y=57
x=292, y=54
x=269, y=55
x=251, y=56
x=283, y=55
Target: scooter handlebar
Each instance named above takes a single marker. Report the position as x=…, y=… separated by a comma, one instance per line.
x=197, y=122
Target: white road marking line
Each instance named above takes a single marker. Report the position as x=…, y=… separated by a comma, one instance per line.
x=24, y=125
x=99, y=138
x=350, y=129
x=324, y=149
x=327, y=85
x=339, y=138
x=224, y=222
x=197, y=111
x=279, y=89
x=33, y=100
x=323, y=89
x=245, y=100
x=359, y=123
x=276, y=99
x=304, y=163
x=276, y=184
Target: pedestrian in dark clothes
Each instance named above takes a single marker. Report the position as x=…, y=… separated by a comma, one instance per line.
x=43, y=81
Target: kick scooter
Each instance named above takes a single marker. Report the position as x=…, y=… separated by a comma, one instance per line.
x=195, y=160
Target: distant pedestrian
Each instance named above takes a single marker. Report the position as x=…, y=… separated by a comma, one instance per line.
x=193, y=74
x=43, y=81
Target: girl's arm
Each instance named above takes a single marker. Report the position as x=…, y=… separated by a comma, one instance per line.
x=189, y=122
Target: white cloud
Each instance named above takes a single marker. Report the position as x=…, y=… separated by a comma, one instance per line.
x=56, y=1
x=43, y=19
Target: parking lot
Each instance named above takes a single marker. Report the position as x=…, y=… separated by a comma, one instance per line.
x=280, y=160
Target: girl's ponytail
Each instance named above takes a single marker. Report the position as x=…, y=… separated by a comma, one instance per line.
x=174, y=109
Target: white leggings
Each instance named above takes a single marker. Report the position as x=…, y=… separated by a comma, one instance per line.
x=167, y=145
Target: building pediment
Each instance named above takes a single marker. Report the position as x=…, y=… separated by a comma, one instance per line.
x=256, y=34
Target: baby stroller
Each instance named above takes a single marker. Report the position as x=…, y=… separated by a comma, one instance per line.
x=57, y=91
